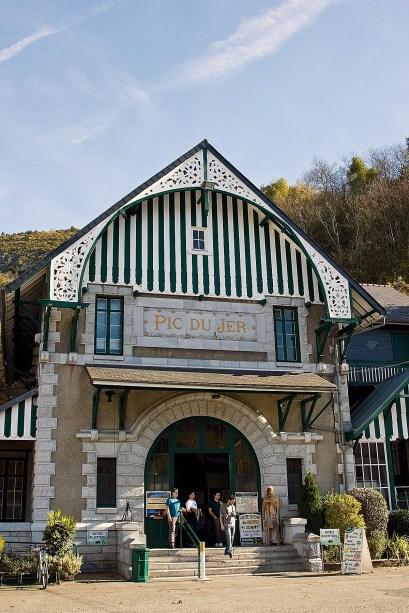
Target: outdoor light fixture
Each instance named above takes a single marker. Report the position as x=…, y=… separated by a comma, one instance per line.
x=208, y=185
x=215, y=396
x=109, y=394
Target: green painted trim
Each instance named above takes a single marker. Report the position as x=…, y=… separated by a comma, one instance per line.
x=236, y=238
x=388, y=434
x=259, y=270
x=289, y=267
x=138, y=246
x=161, y=243
x=282, y=415
x=47, y=316
x=299, y=273
x=311, y=292
x=64, y=305
x=267, y=243
x=279, y=262
x=91, y=267
x=226, y=246
x=216, y=269
x=321, y=411
x=94, y=408
x=172, y=243
x=377, y=428
x=115, y=254
x=306, y=416
x=127, y=250
x=249, y=283
x=104, y=252
x=149, y=251
x=7, y=422
x=122, y=408
x=33, y=420
x=20, y=418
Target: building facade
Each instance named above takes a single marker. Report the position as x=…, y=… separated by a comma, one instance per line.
x=192, y=335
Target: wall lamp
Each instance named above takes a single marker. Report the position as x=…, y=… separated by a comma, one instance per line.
x=109, y=394
x=215, y=396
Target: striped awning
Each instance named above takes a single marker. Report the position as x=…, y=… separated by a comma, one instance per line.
x=385, y=413
x=18, y=418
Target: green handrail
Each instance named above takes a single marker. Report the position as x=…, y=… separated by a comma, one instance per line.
x=193, y=537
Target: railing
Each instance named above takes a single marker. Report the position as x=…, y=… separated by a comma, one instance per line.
x=184, y=526
x=371, y=373
x=402, y=496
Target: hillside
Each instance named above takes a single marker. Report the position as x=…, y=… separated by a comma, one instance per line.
x=21, y=251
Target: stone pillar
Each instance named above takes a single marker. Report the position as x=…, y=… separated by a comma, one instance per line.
x=128, y=537
x=307, y=544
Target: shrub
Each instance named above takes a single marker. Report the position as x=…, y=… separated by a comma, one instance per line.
x=59, y=533
x=373, y=508
x=398, y=522
x=341, y=511
x=310, y=504
x=2, y=545
x=398, y=547
x=377, y=543
x=67, y=565
x=16, y=564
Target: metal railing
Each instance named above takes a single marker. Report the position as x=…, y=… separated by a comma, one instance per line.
x=194, y=539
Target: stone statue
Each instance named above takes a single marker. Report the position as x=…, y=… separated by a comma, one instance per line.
x=271, y=518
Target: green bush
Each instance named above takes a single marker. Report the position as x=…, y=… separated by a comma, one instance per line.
x=2, y=545
x=310, y=504
x=67, y=565
x=59, y=533
x=373, y=508
x=341, y=511
x=398, y=522
x=377, y=543
x=398, y=547
x=16, y=564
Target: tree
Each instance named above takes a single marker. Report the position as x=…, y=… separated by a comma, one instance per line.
x=310, y=504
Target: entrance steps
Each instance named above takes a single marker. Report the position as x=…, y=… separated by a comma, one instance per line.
x=172, y=563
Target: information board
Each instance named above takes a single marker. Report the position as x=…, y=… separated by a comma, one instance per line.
x=329, y=536
x=97, y=537
x=356, y=557
x=156, y=503
x=247, y=502
x=250, y=529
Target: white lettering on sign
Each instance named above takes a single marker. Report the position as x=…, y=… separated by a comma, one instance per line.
x=199, y=324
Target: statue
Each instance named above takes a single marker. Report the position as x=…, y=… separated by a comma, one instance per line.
x=271, y=518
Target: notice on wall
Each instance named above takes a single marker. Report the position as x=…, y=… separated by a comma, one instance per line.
x=97, y=537
x=250, y=529
x=330, y=536
x=247, y=502
x=156, y=503
x=356, y=558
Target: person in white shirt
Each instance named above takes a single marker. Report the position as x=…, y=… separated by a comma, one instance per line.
x=191, y=511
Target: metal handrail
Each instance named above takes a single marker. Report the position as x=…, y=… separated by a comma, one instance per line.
x=193, y=537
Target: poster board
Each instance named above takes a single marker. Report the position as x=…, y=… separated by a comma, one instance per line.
x=97, y=537
x=250, y=529
x=156, y=503
x=246, y=502
x=330, y=536
x=356, y=558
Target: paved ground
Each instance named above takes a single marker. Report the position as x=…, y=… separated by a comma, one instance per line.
x=387, y=589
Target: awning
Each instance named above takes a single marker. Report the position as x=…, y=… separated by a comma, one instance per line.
x=369, y=419
x=212, y=381
x=18, y=418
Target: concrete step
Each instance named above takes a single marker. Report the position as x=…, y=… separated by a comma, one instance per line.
x=227, y=570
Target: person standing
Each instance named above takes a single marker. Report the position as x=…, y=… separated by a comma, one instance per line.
x=172, y=512
x=214, y=512
x=228, y=523
x=191, y=512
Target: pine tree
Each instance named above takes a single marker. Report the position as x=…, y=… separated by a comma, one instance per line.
x=310, y=504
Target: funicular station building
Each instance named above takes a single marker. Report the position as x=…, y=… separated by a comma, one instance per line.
x=190, y=336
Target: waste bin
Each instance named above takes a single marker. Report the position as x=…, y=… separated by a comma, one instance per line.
x=140, y=564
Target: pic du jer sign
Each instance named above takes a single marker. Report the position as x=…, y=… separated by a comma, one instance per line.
x=177, y=323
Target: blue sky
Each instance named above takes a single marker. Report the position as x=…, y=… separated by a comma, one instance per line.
x=96, y=97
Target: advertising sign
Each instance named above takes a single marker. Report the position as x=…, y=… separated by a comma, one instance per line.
x=250, y=529
x=156, y=503
x=330, y=536
x=97, y=537
x=247, y=502
x=356, y=557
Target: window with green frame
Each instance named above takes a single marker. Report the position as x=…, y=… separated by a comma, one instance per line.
x=286, y=334
x=108, y=326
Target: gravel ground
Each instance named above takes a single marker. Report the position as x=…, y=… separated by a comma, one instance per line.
x=387, y=589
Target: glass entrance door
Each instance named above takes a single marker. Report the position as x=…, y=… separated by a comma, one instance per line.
x=203, y=455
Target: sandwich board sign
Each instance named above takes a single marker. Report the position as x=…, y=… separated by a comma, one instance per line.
x=330, y=536
x=356, y=558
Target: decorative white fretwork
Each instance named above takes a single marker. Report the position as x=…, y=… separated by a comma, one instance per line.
x=66, y=268
x=229, y=182
x=187, y=174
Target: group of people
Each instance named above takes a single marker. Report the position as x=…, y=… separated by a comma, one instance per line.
x=223, y=517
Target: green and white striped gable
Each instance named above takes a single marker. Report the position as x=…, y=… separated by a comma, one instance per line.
x=399, y=421
x=18, y=418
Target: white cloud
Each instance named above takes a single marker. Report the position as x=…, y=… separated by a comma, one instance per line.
x=9, y=52
x=255, y=39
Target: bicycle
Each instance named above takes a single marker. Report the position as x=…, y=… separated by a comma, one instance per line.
x=42, y=565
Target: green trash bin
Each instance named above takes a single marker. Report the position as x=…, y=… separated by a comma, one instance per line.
x=140, y=564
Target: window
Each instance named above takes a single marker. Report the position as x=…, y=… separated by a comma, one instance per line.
x=106, y=482
x=370, y=467
x=286, y=332
x=294, y=479
x=108, y=326
x=12, y=489
x=199, y=240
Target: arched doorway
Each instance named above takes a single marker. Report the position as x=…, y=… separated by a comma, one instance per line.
x=203, y=454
